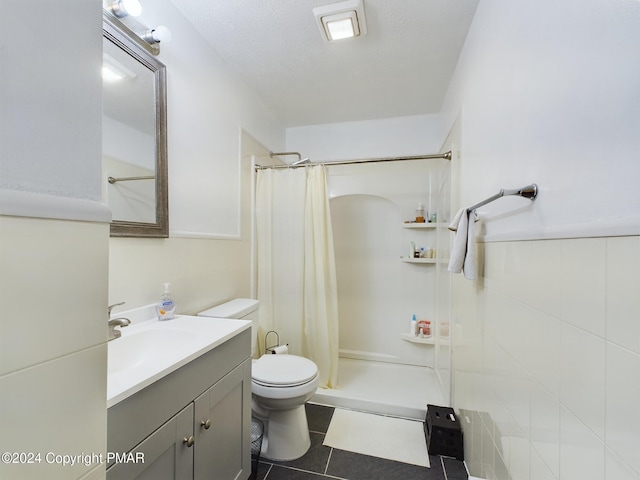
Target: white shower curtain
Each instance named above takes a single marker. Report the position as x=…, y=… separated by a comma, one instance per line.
x=297, y=286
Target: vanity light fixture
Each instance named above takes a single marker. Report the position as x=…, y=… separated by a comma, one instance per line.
x=120, y=14
x=124, y=8
x=341, y=20
x=157, y=35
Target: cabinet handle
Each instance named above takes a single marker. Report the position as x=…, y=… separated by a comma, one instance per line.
x=189, y=441
x=206, y=424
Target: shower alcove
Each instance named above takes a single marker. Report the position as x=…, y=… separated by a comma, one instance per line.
x=380, y=369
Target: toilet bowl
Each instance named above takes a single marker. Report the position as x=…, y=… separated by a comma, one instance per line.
x=280, y=386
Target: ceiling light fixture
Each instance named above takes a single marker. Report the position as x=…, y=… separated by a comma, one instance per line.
x=113, y=70
x=341, y=20
x=124, y=8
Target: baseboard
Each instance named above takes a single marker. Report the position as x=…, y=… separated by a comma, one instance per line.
x=466, y=467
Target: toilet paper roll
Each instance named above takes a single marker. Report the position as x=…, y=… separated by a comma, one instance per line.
x=280, y=349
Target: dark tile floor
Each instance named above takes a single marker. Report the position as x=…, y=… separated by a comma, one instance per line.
x=322, y=462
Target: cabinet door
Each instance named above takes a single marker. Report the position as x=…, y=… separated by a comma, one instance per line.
x=223, y=428
x=163, y=455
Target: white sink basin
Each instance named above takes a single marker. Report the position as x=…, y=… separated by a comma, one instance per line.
x=148, y=351
x=147, y=347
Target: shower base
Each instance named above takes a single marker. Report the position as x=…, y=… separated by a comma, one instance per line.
x=383, y=388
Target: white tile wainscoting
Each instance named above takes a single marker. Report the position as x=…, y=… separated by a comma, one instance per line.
x=547, y=362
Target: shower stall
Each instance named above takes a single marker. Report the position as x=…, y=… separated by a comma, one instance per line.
x=382, y=368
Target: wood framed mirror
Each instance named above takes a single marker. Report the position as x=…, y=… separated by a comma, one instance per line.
x=134, y=132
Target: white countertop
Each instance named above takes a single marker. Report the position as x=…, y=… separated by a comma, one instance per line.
x=150, y=350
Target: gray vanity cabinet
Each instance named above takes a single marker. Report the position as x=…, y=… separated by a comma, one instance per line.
x=162, y=456
x=195, y=423
x=221, y=429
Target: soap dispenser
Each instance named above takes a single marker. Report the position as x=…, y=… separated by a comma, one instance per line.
x=165, y=308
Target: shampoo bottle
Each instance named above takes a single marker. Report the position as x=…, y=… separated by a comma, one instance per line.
x=414, y=326
x=420, y=213
x=166, y=308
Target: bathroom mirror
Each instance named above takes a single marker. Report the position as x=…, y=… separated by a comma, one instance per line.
x=134, y=132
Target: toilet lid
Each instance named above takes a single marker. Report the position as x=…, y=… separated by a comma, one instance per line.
x=283, y=370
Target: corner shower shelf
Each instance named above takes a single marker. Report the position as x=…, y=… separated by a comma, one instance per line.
x=418, y=260
x=420, y=225
x=425, y=341
x=412, y=339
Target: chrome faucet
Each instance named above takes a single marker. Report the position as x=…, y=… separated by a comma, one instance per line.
x=116, y=322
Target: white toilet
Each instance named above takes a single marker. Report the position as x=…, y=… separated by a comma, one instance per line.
x=280, y=386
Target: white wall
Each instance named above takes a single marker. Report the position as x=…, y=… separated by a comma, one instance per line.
x=53, y=239
x=547, y=358
x=207, y=259
x=53, y=348
x=387, y=137
x=207, y=107
x=41, y=99
x=549, y=94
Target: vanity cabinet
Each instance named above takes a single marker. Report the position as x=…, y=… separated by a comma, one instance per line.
x=218, y=432
x=161, y=456
x=195, y=423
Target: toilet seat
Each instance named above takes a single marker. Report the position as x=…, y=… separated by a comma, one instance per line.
x=283, y=371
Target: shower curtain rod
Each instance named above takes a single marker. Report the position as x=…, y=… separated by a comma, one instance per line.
x=446, y=156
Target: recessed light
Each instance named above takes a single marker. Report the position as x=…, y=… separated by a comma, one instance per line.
x=341, y=20
x=339, y=27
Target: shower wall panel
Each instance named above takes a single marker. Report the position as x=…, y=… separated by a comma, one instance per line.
x=378, y=293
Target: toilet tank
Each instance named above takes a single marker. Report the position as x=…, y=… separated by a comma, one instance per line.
x=238, y=308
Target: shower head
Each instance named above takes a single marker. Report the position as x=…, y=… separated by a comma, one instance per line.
x=301, y=161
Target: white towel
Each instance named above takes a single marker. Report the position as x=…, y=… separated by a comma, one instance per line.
x=453, y=226
x=463, y=251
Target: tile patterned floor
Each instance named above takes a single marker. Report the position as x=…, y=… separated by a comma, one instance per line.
x=322, y=462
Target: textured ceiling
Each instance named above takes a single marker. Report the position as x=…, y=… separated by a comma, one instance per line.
x=401, y=67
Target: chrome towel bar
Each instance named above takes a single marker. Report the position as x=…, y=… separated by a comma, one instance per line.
x=530, y=192
x=113, y=180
